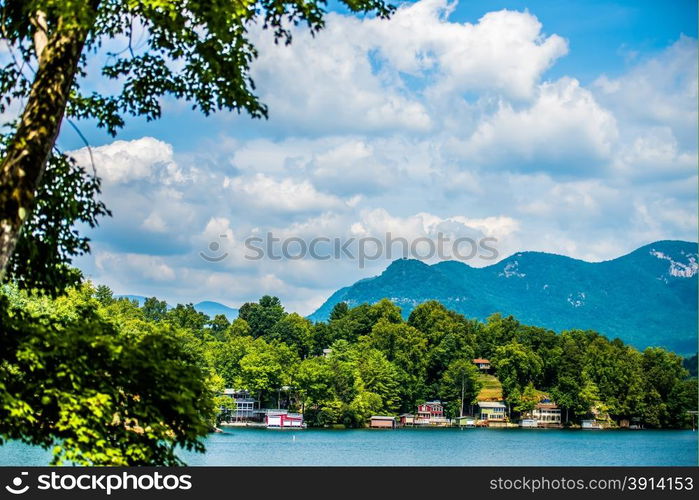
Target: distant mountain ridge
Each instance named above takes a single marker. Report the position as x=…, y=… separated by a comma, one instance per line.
x=647, y=297
x=207, y=307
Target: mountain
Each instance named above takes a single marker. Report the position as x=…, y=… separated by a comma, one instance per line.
x=211, y=309
x=138, y=298
x=646, y=298
x=207, y=307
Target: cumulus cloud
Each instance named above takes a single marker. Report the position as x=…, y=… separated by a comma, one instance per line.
x=146, y=266
x=659, y=91
x=416, y=126
x=564, y=130
x=126, y=161
x=285, y=195
x=504, y=51
x=359, y=75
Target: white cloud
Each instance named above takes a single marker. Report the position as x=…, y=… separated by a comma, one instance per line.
x=659, y=91
x=285, y=195
x=564, y=130
x=413, y=126
x=655, y=154
x=125, y=161
x=134, y=265
x=352, y=75
x=504, y=52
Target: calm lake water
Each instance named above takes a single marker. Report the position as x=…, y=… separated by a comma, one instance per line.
x=242, y=446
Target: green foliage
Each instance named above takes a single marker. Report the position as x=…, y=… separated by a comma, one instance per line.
x=154, y=309
x=294, y=331
x=111, y=382
x=104, y=295
x=262, y=316
x=339, y=311
x=186, y=316
x=527, y=400
x=72, y=381
x=116, y=349
x=516, y=365
x=49, y=242
x=460, y=385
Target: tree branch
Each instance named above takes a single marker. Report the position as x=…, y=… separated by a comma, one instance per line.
x=41, y=33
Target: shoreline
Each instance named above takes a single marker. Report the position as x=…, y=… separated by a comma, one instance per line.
x=442, y=428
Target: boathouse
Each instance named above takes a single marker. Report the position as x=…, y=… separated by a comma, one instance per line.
x=382, y=422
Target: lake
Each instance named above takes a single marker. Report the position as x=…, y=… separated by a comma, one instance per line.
x=245, y=446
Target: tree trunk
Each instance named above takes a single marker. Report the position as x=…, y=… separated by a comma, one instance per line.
x=25, y=159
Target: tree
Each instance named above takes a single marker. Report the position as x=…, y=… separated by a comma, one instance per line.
x=49, y=241
x=239, y=328
x=525, y=402
x=197, y=51
x=185, y=316
x=295, y=331
x=219, y=325
x=224, y=404
x=378, y=376
x=339, y=311
x=262, y=316
x=104, y=295
x=261, y=370
x=589, y=396
x=225, y=358
x=154, y=309
x=96, y=395
x=405, y=347
x=666, y=392
x=516, y=366
x=460, y=382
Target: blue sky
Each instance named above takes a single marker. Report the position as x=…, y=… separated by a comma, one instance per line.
x=567, y=127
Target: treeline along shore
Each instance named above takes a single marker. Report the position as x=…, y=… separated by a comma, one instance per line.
x=367, y=361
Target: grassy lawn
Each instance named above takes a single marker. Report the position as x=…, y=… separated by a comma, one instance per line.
x=492, y=388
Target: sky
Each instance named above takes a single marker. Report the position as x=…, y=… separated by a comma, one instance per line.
x=567, y=127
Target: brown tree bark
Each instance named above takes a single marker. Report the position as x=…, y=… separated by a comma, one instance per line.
x=25, y=159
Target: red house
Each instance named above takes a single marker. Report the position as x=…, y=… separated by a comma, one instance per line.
x=430, y=410
x=284, y=420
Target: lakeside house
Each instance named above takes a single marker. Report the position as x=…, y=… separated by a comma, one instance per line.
x=281, y=419
x=591, y=425
x=406, y=419
x=482, y=364
x=431, y=413
x=382, y=422
x=245, y=406
x=547, y=414
x=466, y=421
x=491, y=412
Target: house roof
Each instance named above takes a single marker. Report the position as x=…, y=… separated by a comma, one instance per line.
x=481, y=360
x=382, y=417
x=549, y=406
x=432, y=402
x=491, y=404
